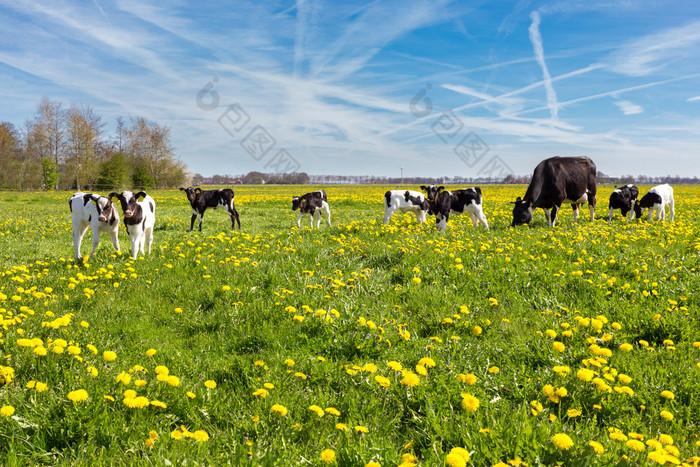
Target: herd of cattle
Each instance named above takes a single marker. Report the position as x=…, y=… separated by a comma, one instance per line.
x=555, y=181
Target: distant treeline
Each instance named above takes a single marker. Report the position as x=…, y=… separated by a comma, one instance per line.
x=67, y=148
x=259, y=178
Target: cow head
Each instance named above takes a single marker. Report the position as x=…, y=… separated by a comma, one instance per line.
x=522, y=212
x=432, y=191
x=103, y=205
x=190, y=193
x=297, y=202
x=637, y=209
x=128, y=201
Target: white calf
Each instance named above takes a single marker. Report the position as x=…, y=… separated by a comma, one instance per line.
x=656, y=200
x=404, y=201
x=139, y=219
x=96, y=212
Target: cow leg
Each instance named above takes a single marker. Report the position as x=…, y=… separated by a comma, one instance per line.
x=387, y=215
x=234, y=217
x=652, y=210
x=475, y=221
x=420, y=216
x=149, y=239
x=548, y=215
x=555, y=211
x=95, y=239
x=78, y=234
x=441, y=222
x=328, y=214
x=575, y=208
x=661, y=215
x=114, y=235
x=610, y=214
x=311, y=219
x=482, y=218
x=299, y=220
x=672, y=211
x=194, y=216
x=201, y=218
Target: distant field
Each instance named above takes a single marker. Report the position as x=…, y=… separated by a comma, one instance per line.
x=360, y=343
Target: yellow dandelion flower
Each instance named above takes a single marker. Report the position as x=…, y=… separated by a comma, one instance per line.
x=210, y=384
x=665, y=414
x=341, y=427
x=383, y=381
x=558, y=346
x=7, y=411
x=279, y=409
x=79, y=395
x=109, y=356
x=410, y=379
x=200, y=435
x=150, y=352
x=635, y=445
x=562, y=441
x=361, y=429
x=317, y=410
x=668, y=395
x=333, y=411
x=328, y=456
x=470, y=403
x=597, y=447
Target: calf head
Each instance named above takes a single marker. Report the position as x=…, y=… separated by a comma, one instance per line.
x=190, y=192
x=432, y=191
x=522, y=212
x=128, y=201
x=298, y=202
x=647, y=201
x=103, y=205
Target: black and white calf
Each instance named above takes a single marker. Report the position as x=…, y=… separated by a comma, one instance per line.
x=444, y=202
x=96, y=212
x=404, y=201
x=556, y=181
x=311, y=204
x=200, y=200
x=656, y=200
x=139, y=219
x=624, y=199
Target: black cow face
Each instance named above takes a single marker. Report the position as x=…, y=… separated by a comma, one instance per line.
x=296, y=202
x=432, y=191
x=128, y=201
x=190, y=192
x=522, y=212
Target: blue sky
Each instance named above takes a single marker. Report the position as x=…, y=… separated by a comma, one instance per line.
x=434, y=87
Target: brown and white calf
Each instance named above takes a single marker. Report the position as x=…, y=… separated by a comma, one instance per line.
x=443, y=203
x=139, y=219
x=404, y=201
x=656, y=200
x=200, y=200
x=312, y=203
x=98, y=213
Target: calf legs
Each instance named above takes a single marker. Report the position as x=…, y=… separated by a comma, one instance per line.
x=78, y=234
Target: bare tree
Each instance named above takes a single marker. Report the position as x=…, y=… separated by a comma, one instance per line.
x=83, y=130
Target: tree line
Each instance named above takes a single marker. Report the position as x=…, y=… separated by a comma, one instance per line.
x=66, y=148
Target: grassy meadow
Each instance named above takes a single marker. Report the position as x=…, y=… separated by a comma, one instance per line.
x=356, y=345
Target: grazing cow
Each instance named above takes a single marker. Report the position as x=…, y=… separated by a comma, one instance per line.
x=656, y=200
x=444, y=202
x=556, y=181
x=201, y=200
x=624, y=199
x=403, y=201
x=96, y=212
x=312, y=203
x=139, y=219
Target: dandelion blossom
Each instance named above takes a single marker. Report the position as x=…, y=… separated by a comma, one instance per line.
x=7, y=411
x=109, y=356
x=279, y=409
x=668, y=395
x=210, y=384
x=383, y=381
x=562, y=441
x=78, y=396
x=665, y=414
x=470, y=403
x=410, y=379
x=328, y=456
x=597, y=447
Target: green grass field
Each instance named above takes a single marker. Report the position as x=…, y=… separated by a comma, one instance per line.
x=355, y=345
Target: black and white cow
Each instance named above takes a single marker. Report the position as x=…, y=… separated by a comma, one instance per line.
x=444, y=202
x=311, y=204
x=624, y=199
x=200, y=200
x=404, y=201
x=556, y=181
x=656, y=200
x=96, y=212
x=139, y=219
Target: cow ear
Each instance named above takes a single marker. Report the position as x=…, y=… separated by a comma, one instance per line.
x=440, y=188
x=182, y=189
x=424, y=188
x=114, y=193
x=197, y=190
x=140, y=194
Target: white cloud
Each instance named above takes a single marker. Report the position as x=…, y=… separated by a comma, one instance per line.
x=648, y=54
x=536, y=39
x=629, y=108
x=693, y=99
